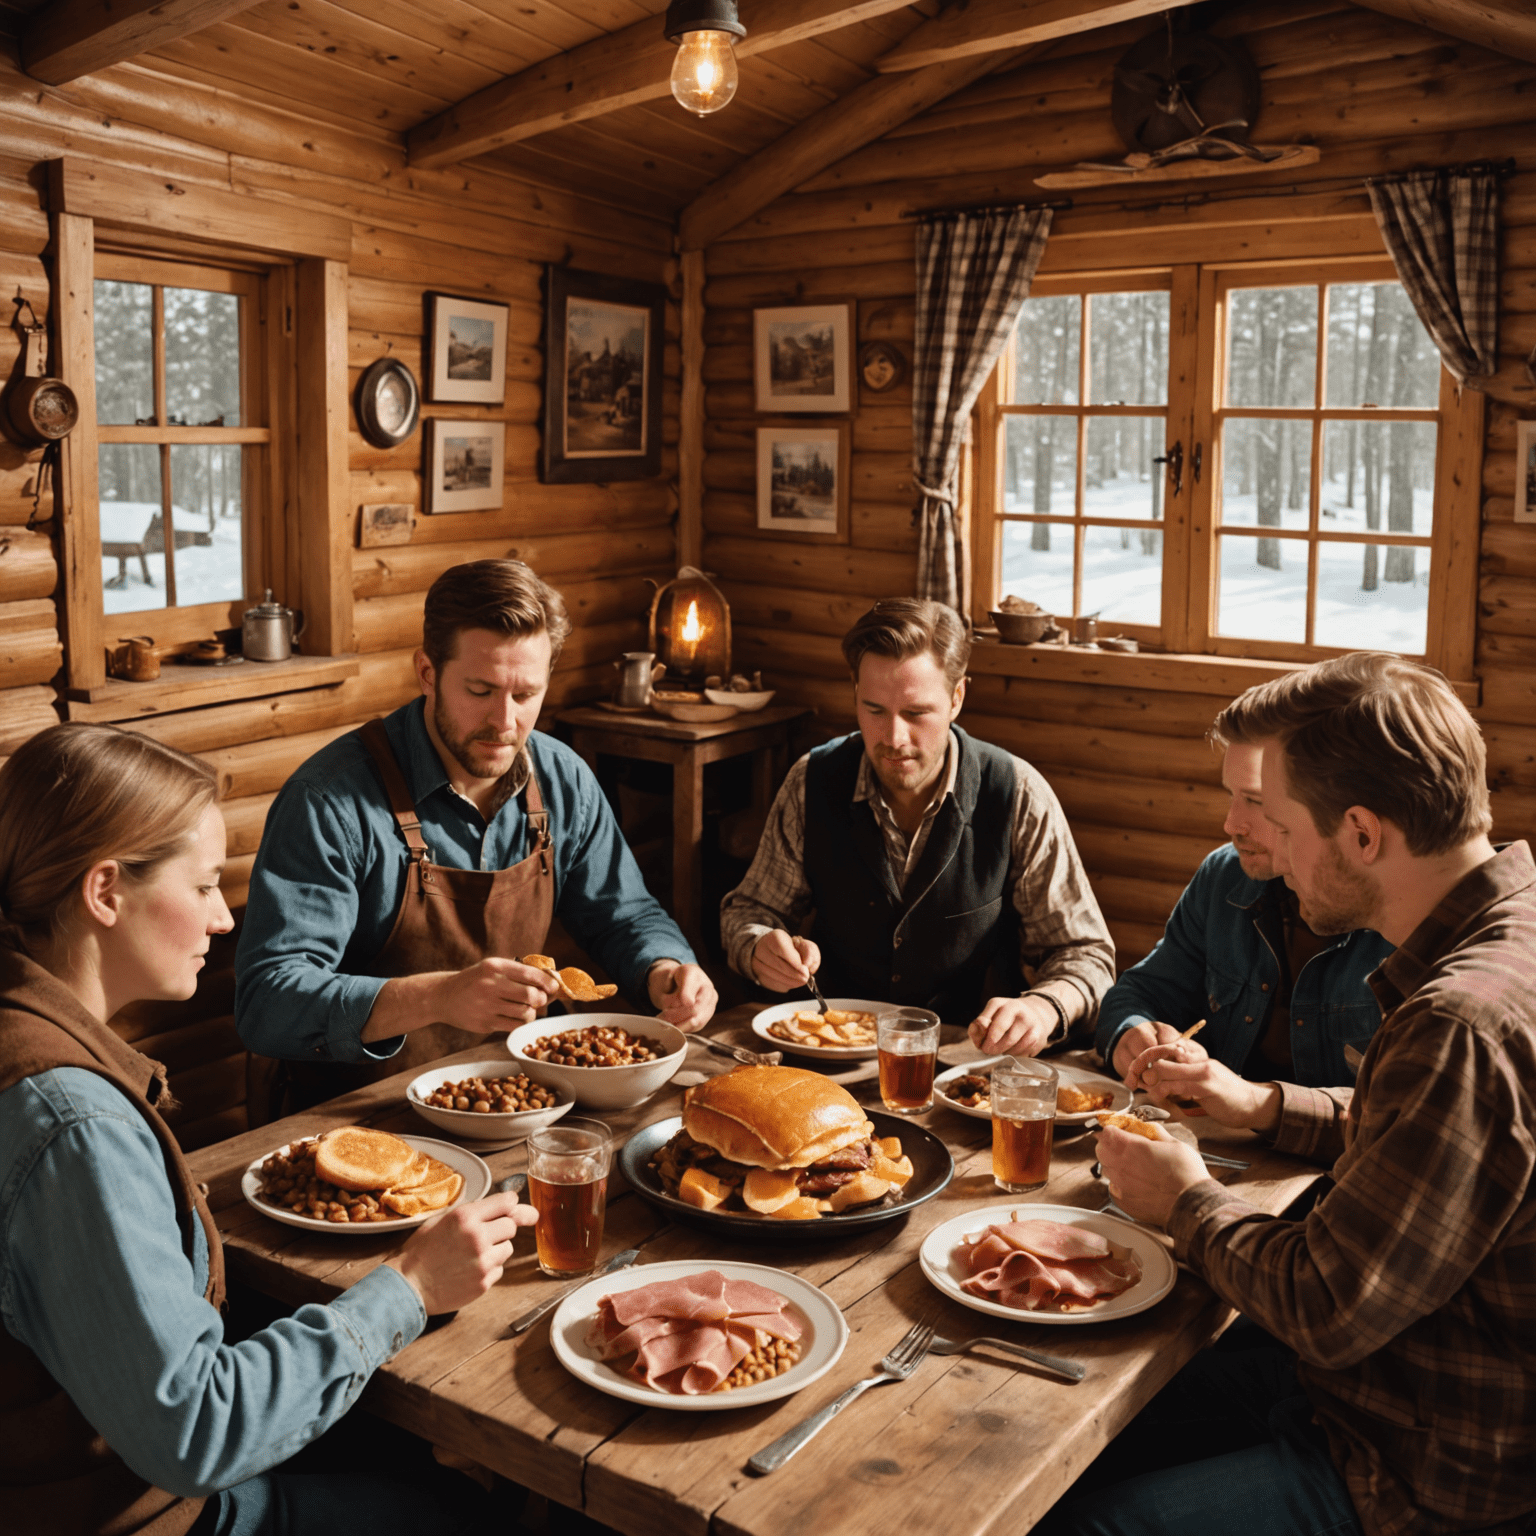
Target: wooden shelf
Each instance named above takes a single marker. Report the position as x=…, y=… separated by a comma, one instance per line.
x=183, y=686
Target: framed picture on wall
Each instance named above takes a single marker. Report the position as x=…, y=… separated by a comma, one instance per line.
x=466, y=350
x=466, y=464
x=802, y=481
x=802, y=358
x=1525, y=472
x=602, y=378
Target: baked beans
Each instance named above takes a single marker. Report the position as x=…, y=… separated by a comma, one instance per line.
x=763, y=1364
x=493, y=1095
x=289, y=1180
x=600, y=1045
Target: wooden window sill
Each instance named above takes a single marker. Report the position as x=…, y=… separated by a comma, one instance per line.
x=1169, y=671
x=182, y=686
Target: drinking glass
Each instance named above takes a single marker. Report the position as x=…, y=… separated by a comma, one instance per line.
x=908, y=1043
x=1023, y=1117
x=568, y=1185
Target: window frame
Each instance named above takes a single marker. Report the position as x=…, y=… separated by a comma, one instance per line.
x=1194, y=410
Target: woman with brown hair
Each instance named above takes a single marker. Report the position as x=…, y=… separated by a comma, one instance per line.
x=122, y=1407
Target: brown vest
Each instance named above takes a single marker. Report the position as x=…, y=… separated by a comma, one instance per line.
x=58, y=1477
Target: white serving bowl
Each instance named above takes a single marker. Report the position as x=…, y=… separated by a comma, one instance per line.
x=603, y=1087
x=745, y=702
x=465, y=1122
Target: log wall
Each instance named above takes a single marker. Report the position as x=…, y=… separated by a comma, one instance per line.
x=1376, y=94
x=469, y=231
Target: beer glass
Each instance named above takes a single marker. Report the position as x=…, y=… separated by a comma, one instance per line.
x=1023, y=1118
x=568, y=1186
x=908, y=1043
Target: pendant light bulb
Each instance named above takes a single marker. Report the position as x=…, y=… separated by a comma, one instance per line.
x=704, y=72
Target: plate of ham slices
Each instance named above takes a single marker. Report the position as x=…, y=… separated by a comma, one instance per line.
x=684, y=1334
x=1048, y=1263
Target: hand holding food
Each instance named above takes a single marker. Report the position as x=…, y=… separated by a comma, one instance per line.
x=1135, y=1040
x=1171, y=1077
x=1146, y=1169
x=574, y=982
x=460, y=1255
x=781, y=962
x=1018, y=1025
x=496, y=994
x=683, y=995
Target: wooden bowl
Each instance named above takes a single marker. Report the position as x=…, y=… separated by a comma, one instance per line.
x=1021, y=628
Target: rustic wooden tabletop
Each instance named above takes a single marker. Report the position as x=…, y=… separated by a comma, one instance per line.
x=969, y=1443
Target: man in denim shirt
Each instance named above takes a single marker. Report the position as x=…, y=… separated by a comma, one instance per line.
x=1279, y=1002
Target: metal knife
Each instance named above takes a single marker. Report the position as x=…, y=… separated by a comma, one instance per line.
x=741, y=1053
x=513, y=1184
x=528, y=1319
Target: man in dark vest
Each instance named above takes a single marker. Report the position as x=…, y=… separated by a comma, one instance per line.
x=913, y=864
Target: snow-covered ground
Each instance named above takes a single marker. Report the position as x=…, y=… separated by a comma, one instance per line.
x=205, y=573
x=1122, y=571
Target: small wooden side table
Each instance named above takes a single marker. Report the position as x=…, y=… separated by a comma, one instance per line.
x=764, y=733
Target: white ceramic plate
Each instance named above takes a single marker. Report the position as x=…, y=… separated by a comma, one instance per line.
x=505, y=1129
x=1078, y=1076
x=822, y=1342
x=768, y=1016
x=477, y=1183
x=944, y=1269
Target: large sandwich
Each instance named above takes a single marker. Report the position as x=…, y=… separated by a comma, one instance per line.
x=778, y=1142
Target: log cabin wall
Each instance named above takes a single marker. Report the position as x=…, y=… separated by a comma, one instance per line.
x=473, y=231
x=1126, y=758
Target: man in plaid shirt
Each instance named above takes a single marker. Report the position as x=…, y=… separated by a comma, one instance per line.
x=1396, y=1389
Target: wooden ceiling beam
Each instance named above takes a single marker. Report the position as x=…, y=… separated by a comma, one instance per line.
x=848, y=124
x=1501, y=26
x=988, y=26
x=618, y=70
x=62, y=42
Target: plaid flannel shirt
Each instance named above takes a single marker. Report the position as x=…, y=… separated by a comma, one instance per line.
x=1409, y=1292
x=1062, y=935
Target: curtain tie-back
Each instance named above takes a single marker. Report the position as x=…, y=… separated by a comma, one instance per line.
x=947, y=497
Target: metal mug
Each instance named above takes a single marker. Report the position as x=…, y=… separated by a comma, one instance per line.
x=268, y=630
x=637, y=674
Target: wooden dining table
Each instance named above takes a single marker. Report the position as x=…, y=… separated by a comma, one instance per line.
x=969, y=1443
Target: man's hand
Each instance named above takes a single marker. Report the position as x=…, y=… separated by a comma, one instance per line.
x=1170, y=1072
x=682, y=994
x=459, y=1255
x=1018, y=1025
x=495, y=994
x=1135, y=1040
x=1146, y=1177
x=782, y=962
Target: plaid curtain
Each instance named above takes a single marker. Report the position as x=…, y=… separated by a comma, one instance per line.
x=1441, y=230
x=973, y=275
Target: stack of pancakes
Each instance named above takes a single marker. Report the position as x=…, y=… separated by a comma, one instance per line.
x=409, y=1182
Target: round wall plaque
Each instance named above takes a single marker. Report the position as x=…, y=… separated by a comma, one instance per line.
x=388, y=403
x=881, y=366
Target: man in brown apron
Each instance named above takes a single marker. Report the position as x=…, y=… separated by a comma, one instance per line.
x=406, y=868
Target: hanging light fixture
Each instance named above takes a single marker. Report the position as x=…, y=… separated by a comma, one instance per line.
x=704, y=71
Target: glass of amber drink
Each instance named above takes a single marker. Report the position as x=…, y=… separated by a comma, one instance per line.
x=568, y=1186
x=908, y=1043
x=1023, y=1118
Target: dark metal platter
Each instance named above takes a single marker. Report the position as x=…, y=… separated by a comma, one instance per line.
x=932, y=1169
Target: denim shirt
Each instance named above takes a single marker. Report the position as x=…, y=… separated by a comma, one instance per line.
x=1218, y=961
x=331, y=873
x=95, y=1280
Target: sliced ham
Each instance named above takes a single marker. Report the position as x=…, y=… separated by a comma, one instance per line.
x=688, y=1335
x=1046, y=1266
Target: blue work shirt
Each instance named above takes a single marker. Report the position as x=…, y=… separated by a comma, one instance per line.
x=1215, y=962
x=96, y=1282
x=331, y=874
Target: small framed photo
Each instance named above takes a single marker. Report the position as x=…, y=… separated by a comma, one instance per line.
x=1525, y=472
x=602, y=378
x=803, y=481
x=802, y=358
x=466, y=463
x=466, y=351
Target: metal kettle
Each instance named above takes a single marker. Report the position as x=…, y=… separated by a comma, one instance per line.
x=268, y=630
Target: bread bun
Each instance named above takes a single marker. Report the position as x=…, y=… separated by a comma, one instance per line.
x=773, y=1117
x=357, y=1159
x=1136, y=1127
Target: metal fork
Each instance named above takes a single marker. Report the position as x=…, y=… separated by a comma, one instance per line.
x=903, y=1359
x=810, y=981
x=741, y=1053
x=1071, y=1369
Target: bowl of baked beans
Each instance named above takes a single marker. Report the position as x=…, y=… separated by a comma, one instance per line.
x=604, y=1060
x=485, y=1100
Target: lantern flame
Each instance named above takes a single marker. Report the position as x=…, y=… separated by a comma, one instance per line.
x=692, y=630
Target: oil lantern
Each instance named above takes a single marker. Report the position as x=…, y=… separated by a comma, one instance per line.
x=691, y=630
